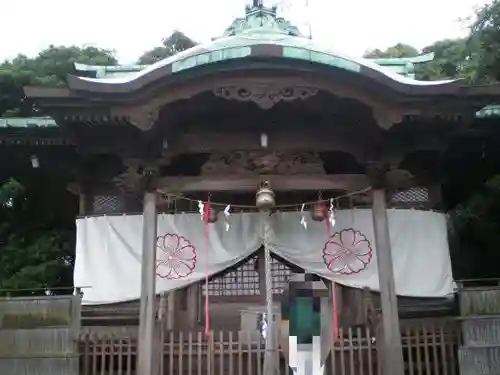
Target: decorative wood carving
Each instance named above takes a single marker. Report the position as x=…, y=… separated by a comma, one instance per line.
x=74, y=188
x=260, y=163
x=385, y=112
x=143, y=116
x=381, y=176
x=264, y=94
x=130, y=180
x=399, y=178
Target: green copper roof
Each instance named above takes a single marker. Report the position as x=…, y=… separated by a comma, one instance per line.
x=30, y=122
x=405, y=60
x=405, y=65
x=260, y=27
x=489, y=111
x=102, y=71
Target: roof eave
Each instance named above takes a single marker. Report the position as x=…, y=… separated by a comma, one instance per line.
x=105, y=88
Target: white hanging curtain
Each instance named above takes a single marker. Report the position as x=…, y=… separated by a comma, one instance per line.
x=108, y=251
x=420, y=254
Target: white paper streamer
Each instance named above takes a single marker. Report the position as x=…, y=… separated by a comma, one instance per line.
x=331, y=216
x=303, y=221
x=201, y=209
x=226, y=216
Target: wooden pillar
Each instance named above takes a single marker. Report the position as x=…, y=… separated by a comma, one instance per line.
x=261, y=271
x=270, y=358
x=147, y=318
x=171, y=307
x=162, y=309
x=82, y=203
x=435, y=196
x=193, y=304
x=166, y=311
x=392, y=353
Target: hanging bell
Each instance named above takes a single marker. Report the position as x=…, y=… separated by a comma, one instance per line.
x=211, y=215
x=265, y=199
x=318, y=211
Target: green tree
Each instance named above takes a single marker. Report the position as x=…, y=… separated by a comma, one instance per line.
x=36, y=241
x=36, y=238
x=476, y=224
x=49, y=68
x=453, y=58
x=486, y=31
x=397, y=51
x=175, y=43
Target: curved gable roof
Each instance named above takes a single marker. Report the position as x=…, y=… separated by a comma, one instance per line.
x=259, y=35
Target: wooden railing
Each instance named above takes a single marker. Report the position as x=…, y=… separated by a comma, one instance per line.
x=427, y=351
x=38, y=335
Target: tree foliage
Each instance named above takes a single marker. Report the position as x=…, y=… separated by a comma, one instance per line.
x=175, y=43
x=35, y=241
x=397, y=51
x=453, y=58
x=476, y=224
x=485, y=31
x=49, y=68
x=450, y=60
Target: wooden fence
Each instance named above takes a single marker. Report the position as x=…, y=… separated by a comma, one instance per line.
x=38, y=335
x=427, y=351
x=480, y=326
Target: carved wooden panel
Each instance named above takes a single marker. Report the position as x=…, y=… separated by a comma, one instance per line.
x=262, y=162
x=265, y=94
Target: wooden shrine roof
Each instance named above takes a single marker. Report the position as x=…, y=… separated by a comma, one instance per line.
x=261, y=42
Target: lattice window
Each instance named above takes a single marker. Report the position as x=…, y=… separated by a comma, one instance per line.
x=243, y=281
x=417, y=196
x=281, y=275
x=107, y=204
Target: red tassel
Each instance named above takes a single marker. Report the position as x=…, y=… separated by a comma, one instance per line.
x=335, y=318
x=206, y=208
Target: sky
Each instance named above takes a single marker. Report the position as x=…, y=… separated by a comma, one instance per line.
x=132, y=27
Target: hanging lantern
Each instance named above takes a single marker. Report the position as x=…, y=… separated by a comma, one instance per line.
x=318, y=211
x=211, y=215
x=265, y=199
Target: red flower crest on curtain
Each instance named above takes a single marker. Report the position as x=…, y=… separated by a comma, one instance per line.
x=347, y=252
x=176, y=257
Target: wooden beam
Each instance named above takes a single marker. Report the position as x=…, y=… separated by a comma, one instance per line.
x=345, y=182
x=195, y=142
